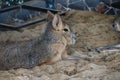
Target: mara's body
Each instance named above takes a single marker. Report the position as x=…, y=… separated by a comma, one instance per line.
x=49, y=49
x=116, y=23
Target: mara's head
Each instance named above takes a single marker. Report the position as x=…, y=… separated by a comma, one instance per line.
x=60, y=28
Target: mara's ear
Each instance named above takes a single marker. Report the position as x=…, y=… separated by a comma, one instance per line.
x=57, y=22
x=50, y=16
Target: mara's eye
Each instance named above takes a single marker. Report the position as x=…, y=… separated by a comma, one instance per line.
x=65, y=30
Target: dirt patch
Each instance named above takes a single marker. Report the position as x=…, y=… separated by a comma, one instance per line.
x=110, y=59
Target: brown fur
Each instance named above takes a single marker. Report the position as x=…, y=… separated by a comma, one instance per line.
x=49, y=49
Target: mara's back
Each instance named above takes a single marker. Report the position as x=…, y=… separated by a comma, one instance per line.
x=25, y=54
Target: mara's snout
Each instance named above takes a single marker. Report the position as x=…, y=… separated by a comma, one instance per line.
x=73, y=39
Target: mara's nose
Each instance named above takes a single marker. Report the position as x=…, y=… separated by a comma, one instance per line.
x=74, y=35
x=73, y=39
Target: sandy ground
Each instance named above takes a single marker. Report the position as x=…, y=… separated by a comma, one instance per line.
x=92, y=30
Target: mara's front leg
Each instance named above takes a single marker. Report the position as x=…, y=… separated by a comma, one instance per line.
x=64, y=54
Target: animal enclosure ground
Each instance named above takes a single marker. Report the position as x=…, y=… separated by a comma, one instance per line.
x=92, y=30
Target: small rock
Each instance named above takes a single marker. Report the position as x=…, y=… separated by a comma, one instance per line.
x=44, y=77
x=66, y=66
x=70, y=71
x=50, y=69
x=60, y=76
